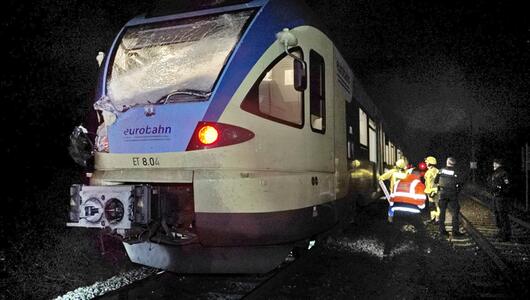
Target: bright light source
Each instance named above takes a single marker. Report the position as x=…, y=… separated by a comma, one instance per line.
x=311, y=244
x=208, y=135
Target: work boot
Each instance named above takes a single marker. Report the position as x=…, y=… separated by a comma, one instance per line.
x=390, y=219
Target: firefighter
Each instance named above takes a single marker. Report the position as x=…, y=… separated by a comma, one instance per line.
x=395, y=174
x=431, y=189
x=398, y=172
x=499, y=184
x=448, y=187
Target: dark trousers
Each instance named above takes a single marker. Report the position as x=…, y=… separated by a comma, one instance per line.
x=451, y=201
x=500, y=210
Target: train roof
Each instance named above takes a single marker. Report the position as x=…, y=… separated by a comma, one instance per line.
x=171, y=7
x=171, y=10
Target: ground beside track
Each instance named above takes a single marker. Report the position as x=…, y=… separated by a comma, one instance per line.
x=369, y=259
x=375, y=260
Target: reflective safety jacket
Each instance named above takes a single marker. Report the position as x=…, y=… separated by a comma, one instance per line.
x=409, y=190
x=430, y=175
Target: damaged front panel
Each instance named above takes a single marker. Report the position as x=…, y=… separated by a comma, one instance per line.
x=116, y=207
x=162, y=213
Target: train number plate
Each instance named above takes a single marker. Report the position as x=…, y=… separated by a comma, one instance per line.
x=145, y=161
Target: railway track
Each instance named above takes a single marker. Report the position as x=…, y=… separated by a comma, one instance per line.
x=164, y=285
x=511, y=259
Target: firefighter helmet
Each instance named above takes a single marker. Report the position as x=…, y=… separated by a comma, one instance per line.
x=401, y=164
x=431, y=160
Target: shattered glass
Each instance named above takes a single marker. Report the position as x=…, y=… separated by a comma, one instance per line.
x=171, y=62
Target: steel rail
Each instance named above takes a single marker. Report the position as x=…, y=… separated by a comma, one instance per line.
x=512, y=217
x=267, y=287
x=506, y=271
x=486, y=246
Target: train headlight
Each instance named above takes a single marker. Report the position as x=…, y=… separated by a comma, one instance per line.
x=93, y=210
x=116, y=207
x=114, y=211
x=208, y=135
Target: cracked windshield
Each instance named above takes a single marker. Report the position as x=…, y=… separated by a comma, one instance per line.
x=174, y=61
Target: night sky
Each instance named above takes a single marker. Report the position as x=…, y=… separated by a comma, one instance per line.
x=434, y=69
x=441, y=67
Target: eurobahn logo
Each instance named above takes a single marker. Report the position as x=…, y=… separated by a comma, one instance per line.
x=147, y=132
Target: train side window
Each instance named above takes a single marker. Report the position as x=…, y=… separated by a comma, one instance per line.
x=387, y=154
x=317, y=92
x=381, y=148
x=363, y=128
x=372, y=137
x=274, y=97
x=392, y=153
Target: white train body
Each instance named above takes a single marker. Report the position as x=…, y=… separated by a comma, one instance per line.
x=291, y=169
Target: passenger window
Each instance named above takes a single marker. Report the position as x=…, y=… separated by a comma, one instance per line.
x=372, y=139
x=363, y=128
x=274, y=97
x=387, y=154
x=317, y=92
x=392, y=154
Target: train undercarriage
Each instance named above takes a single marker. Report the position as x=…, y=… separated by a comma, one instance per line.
x=159, y=228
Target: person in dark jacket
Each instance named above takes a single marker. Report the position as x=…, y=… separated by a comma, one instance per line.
x=448, y=187
x=499, y=184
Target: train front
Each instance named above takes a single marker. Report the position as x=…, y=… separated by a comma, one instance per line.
x=164, y=180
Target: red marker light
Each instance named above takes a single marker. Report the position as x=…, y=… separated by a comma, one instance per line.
x=422, y=166
x=208, y=135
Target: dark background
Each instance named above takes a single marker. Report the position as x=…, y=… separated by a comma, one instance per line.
x=444, y=74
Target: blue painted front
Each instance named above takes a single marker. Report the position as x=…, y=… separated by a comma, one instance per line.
x=169, y=130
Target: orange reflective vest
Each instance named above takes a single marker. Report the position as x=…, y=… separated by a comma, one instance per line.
x=409, y=190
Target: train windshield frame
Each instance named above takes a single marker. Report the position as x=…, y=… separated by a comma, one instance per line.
x=173, y=61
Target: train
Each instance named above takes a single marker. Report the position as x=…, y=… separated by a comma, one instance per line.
x=228, y=134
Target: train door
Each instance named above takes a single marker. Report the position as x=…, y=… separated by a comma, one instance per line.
x=320, y=129
x=320, y=112
x=351, y=125
x=372, y=149
x=381, y=149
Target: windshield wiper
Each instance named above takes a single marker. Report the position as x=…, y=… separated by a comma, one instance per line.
x=185, y=92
